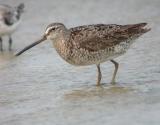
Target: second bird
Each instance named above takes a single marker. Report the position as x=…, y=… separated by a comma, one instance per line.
x=91, y=44
x=10, y=18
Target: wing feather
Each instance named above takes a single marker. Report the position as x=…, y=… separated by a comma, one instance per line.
x=97, y=37
x=101, y=36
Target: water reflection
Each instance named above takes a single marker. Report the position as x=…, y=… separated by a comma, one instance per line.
x=6, y=56
x=98, y=91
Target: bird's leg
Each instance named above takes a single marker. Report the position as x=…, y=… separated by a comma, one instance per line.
x=115, y=71
x=10, y=43
x=99, y=75
x=1, y=44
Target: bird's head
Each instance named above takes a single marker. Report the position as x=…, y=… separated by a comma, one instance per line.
x=20, y=8
x=53, y=32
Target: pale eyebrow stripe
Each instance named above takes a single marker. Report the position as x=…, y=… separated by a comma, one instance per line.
x=48, y=29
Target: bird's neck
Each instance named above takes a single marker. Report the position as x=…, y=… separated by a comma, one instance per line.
x=61, y=44
x=62, y=38
x=18, y=15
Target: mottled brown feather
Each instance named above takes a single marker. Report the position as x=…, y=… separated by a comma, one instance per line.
x=101, y=36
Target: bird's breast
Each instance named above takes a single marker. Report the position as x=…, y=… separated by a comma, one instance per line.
x=63, y=49
x=81, y=56
x=8, y=29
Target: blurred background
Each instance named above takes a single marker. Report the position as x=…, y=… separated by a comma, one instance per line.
x=40, y=88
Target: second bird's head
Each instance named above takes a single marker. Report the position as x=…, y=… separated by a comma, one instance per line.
x=53, y=32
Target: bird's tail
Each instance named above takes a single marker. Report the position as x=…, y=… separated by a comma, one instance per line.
x=139, y=28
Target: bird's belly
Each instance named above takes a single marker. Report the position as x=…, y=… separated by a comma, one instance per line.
x=83, y=57
x=6, y=30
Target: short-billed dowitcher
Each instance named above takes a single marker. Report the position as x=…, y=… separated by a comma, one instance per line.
x=91, y=44
x=10, y=18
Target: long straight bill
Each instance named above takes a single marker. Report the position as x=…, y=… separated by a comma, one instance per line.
x=30, y=46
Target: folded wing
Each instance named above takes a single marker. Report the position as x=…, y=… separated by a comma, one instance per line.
x=100, y=36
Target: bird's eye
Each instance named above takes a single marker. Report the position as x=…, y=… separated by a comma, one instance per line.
x=53, y=29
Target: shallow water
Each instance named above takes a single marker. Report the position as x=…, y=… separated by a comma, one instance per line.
x=40, y=88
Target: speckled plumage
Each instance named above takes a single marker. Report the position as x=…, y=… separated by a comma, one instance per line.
x=92, y=44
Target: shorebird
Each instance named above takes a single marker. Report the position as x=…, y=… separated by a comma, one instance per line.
x=91, y=44
x=10, y=18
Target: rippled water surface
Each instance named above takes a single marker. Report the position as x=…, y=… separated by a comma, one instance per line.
x=39, y=88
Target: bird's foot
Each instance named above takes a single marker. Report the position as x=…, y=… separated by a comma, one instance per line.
x=113, y=82
x=10, y=49
x=1, y=49
x=98, y=84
